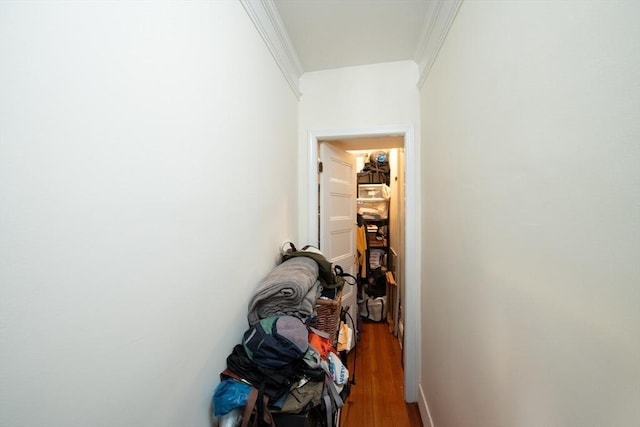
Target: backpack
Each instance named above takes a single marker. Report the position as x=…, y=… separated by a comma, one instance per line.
x=274, y=382
x=267, y=384
x=276, y=341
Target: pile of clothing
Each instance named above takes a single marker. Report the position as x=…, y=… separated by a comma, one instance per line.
x=284, y=371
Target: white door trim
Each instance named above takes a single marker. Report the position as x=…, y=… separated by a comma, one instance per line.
x=412, y=353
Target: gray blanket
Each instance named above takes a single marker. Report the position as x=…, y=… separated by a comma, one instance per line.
x=291, y=288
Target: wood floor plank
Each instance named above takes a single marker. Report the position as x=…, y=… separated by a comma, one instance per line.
x=377, y=398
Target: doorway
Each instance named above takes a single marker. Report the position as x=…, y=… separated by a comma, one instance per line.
x=370, y=139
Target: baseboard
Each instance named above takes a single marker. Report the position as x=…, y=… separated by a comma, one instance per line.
x=425, y=414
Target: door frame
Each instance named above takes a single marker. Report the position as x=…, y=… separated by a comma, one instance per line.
x=412, y=334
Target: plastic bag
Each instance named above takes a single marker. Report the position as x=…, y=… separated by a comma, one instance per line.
x=339, y=372
x=232, y=419
x=230, y=394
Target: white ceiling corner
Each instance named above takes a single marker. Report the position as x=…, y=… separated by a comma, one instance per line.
x=334, y=34
x=267, y=21
x=437, y=25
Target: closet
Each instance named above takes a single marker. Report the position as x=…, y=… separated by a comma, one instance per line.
x=378, y=195
x=378, y=296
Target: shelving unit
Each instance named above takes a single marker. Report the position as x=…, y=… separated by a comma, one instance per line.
x=373, y=207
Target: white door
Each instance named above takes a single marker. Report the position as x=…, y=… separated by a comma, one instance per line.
x=338, y=206
x=338, y=215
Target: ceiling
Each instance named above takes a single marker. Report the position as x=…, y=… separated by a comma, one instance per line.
x=329, y=34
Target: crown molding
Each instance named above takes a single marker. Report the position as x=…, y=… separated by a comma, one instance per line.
x=267, y=21
x=443, y=13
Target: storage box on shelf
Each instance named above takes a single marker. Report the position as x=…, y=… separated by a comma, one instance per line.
x=373, y=191
x=373, y=208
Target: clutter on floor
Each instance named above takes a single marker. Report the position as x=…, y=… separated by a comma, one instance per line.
x=289, y=368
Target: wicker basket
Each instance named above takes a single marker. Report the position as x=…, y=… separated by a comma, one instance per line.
x=328, y=311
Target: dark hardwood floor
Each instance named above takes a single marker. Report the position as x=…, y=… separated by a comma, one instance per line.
x=377, y=398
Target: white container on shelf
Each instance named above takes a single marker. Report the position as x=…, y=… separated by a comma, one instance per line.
x=373, y=208
x=374, y=191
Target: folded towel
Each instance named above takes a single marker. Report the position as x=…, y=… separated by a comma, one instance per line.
x=291, y=288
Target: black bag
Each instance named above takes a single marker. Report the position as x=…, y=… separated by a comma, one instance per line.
x=376, y=285
x=274, y=382
x=269, y=384
x=374, y=176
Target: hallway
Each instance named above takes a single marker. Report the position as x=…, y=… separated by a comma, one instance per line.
x=376, y=400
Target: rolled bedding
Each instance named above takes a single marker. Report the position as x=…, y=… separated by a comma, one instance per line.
x=291, y=288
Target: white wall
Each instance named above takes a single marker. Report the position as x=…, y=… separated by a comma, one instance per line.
x=531, y=190
x=142, y=198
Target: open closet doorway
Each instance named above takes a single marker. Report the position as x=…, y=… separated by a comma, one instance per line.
x=402, y=229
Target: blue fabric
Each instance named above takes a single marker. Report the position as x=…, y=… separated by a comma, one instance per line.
x=229, y=394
